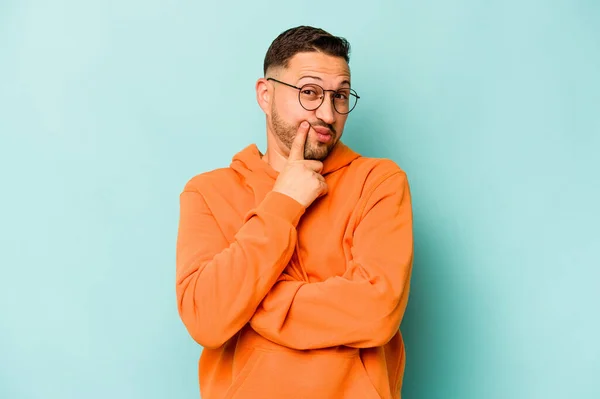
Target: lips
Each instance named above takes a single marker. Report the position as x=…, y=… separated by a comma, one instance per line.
x=324, y=135
x=322, y=130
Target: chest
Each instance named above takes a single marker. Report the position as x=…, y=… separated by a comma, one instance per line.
x=324, y=242
x=325, y=231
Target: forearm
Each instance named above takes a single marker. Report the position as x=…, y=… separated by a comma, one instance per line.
x=220, y=284
x=357, y=313
x=362, y=308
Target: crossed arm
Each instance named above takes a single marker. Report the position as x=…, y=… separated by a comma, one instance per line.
x=362, y=308
x=221, y=286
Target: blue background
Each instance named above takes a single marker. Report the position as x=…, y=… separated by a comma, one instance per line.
x=107, y=108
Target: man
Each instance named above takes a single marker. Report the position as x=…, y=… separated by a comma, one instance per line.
x=293, y=266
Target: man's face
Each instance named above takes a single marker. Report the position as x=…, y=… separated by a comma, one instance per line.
x=327, y=125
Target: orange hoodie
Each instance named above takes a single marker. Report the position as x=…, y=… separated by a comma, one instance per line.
x=294, y=302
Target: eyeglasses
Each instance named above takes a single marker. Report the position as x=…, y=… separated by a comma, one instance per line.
x=311, y=97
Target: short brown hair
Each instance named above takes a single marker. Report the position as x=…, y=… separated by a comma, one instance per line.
x=304, y=39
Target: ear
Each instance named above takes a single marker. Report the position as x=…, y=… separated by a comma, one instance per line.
x=263, y=95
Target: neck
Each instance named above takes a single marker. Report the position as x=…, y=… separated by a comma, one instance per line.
x=274, y=158
x=277, y=154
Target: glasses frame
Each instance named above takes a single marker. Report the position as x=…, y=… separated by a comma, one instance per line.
x=352, y=93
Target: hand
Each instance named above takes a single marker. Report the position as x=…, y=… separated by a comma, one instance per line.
x=301, y=179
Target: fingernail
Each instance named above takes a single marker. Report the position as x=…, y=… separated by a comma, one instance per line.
x=304, y=124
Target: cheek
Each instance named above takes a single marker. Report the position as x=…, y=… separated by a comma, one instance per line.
x=292, y=113
x=340, y=122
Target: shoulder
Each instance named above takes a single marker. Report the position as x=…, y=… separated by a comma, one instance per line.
x=384, y=184
x=375, y=171
x=211, y=180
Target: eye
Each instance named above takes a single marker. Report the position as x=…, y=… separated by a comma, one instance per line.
x=342, y=95
x=309, y=92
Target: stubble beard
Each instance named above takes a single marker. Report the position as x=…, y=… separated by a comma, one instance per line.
x=286, y=134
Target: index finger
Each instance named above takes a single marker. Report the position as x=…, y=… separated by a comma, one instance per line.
x=297, y=149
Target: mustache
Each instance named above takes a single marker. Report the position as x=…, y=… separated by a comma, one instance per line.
x=323, y=124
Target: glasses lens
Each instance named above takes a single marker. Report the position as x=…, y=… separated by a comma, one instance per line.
x=344, y=100
x=311, y=96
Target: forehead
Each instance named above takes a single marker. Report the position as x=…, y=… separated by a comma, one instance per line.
x=329, y=68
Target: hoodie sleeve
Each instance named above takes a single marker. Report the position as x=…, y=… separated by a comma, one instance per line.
x=362, y=308
x=220, y=284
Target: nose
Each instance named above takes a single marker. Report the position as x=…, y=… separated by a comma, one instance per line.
x=326, y=112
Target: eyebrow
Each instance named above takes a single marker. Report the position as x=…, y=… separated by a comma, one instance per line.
x=345, y=81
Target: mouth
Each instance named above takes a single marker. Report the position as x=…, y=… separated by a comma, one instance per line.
x=324, y=135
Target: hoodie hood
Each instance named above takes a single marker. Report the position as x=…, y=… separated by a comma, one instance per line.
x=260, y=176
x=249, y=161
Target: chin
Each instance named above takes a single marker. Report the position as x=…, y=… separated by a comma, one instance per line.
x=318, y=152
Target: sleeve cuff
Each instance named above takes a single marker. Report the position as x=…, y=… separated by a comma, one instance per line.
x=281, y=205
